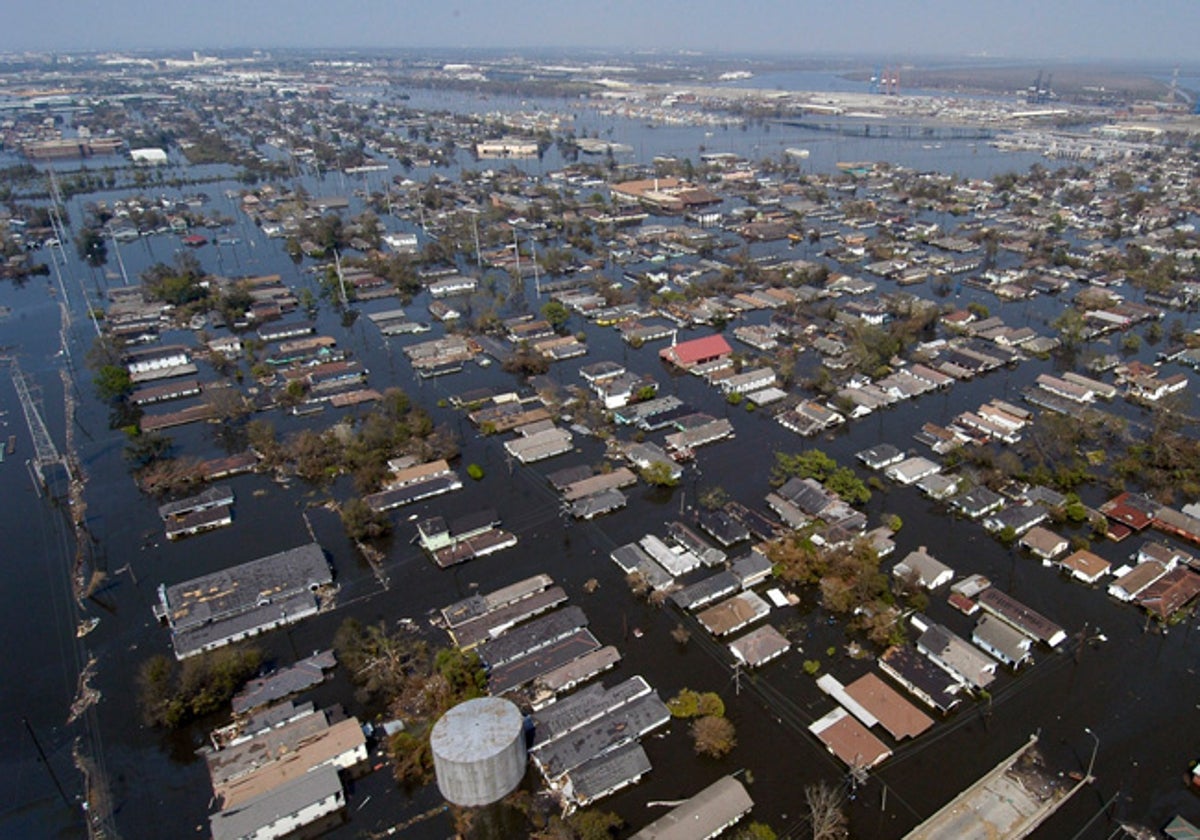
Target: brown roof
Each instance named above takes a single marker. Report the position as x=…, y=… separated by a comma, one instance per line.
x=899, y=717
x=1086, y=563
x=323, y=748
x=1170, y=592
x=1043, y=541
x=849, y=740
x=732, y=613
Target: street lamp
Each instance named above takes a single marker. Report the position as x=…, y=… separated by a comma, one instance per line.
x=1095, y=748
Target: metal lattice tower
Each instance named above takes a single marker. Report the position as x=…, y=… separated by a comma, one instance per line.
x=45, y=452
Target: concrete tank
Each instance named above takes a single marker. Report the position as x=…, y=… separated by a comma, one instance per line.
x=479, y=751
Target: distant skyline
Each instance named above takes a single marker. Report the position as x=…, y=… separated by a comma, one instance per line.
x=1160, y=31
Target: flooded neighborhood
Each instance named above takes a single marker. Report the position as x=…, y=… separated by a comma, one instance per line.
x=439, y=444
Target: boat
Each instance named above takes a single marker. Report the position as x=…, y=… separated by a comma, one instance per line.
x=11, y=446
x=86, y=626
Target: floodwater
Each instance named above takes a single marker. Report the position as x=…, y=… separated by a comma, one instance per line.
x=1135, y=690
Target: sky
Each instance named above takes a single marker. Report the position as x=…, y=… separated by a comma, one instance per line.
x=1157, y=30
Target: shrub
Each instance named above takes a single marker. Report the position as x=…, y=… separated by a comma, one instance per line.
x=475, y=471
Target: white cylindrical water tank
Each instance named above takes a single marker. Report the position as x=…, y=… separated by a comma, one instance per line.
x=479, y=751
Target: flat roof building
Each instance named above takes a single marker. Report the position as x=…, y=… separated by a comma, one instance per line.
x=235, y=603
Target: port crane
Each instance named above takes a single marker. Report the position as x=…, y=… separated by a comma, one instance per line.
x=1040, y=92
x=885, y=80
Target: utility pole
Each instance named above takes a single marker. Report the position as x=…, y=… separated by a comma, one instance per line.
x=475, y=230
x=337, y=260
x=42, y=754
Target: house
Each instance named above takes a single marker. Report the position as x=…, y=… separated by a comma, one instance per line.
x=705, y=815
x=283, y=809
x=939, y=486
x=1170, y=593
x=156, y=359
x=1162, y=553
x=1002, y=641
x=1043, y=543
x=1019, y=517
x=747, y=381
x=921, y=678
x=752, y=569
x=1031, y=623
x=1131, y=584
x=241, y=601
x=1132, y=510
x=881, y=456
x=911, y=470
x=954, y=655
x=1085, y=566
x=698, y=351
x=921, y=567
x=978, y=502
x=1180, y=524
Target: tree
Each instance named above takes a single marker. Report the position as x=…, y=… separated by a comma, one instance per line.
x=112, y=382
x=815, y=464
x=144, y=449
x=756, y=831
x=170, y=695
x=362, y=522
x=588, y=824
x=226, y=404
x=378, y=661
x=91, y=247
x=1070, y=326
x=659, y=474
x=713, y=736
x=713, y=498
x=825, y=812
x=556, y=314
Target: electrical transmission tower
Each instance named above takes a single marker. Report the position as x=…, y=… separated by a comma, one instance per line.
x=45, y=452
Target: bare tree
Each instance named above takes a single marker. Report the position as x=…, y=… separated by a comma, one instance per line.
x=825, y=812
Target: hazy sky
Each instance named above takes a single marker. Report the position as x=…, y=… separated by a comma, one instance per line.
x=1158, y=30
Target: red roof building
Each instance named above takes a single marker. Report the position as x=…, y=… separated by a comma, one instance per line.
x=1132, y=510
x=698, y=351
x=1171, y=592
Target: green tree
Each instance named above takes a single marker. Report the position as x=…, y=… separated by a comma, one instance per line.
x=112, y=382
x=755, y=831
x=91, y=247
x=1070, y=326
x=659, y=474
x=362, y=522
x=170, y=695
x=145, y=448
x=556, y=314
